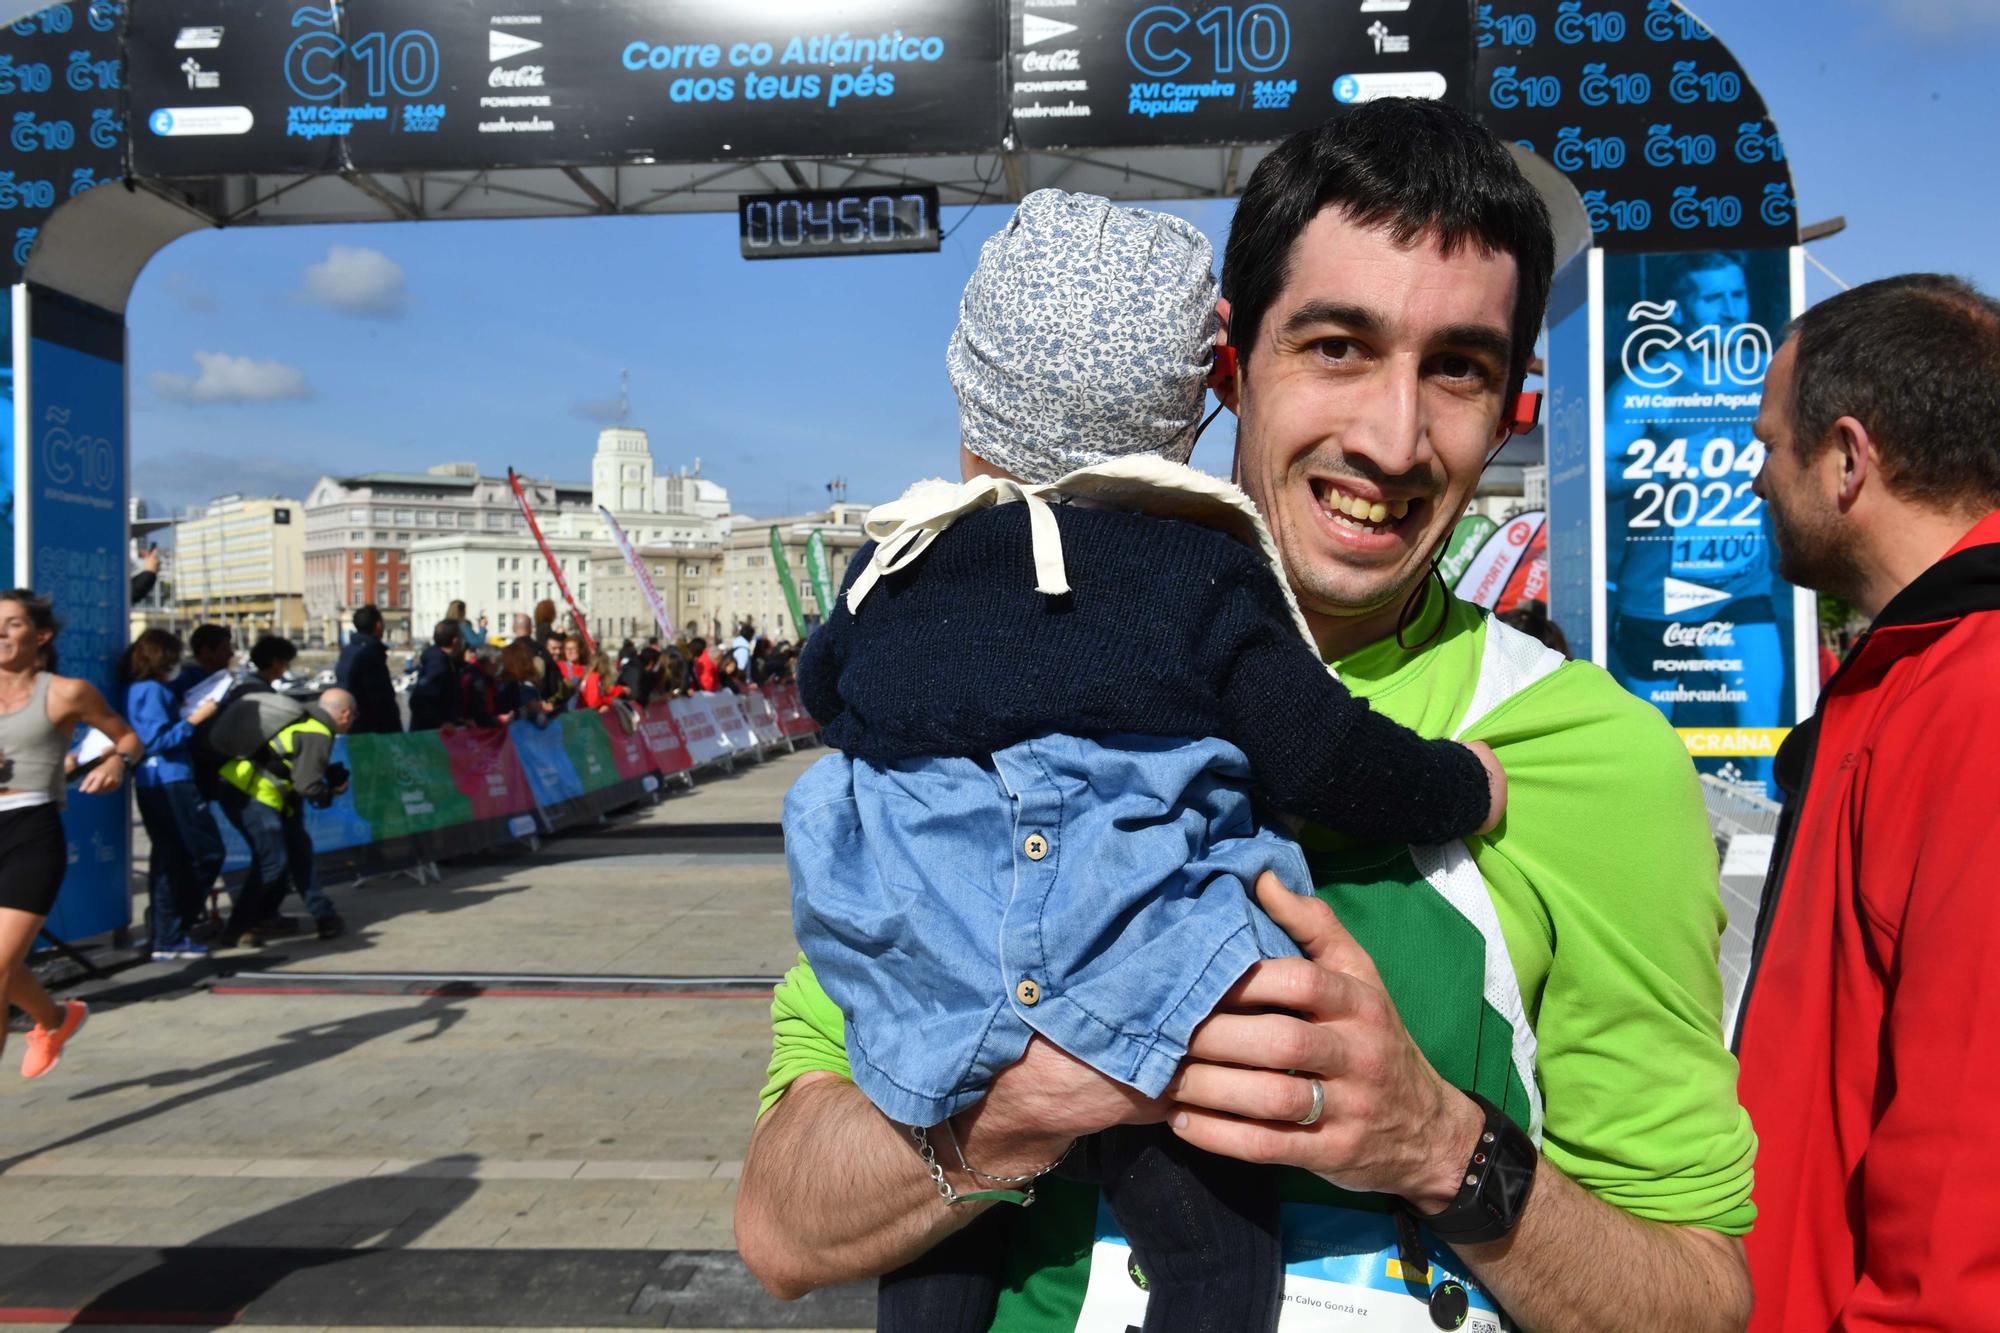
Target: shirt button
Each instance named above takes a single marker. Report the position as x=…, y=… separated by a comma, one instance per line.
x=1036, y=847
x=1028, y=992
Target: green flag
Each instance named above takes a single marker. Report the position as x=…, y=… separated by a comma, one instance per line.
x=822, y=577
x=1466, y=539
x=785, y=578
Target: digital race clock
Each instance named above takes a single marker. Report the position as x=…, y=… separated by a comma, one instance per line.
x=892, y=220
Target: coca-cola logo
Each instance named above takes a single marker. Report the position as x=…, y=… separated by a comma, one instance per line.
x=1052, y=62
x=1714, y=634
x=525, y=76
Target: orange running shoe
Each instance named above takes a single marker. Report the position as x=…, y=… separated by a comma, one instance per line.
x=45, y=1048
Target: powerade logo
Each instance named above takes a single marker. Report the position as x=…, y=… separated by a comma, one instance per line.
x=1714, y=634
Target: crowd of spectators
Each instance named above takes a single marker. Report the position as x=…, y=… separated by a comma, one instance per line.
x=193, y=707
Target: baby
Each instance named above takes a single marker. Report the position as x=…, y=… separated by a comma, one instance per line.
x=1063, y=694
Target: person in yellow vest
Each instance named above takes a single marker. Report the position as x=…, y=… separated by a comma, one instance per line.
x=265, y=796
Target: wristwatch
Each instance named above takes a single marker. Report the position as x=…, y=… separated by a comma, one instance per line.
x=1495, y=1187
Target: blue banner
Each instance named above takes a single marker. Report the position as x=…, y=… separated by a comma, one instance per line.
x=7, y=442
x=72, y=516
x=1699, y=623
x=545, y=759
x=1569, y=449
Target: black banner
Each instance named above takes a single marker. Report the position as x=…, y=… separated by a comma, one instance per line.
x=392, y=85
x=60, y=85
x=1650, y=117
x=1113, y=73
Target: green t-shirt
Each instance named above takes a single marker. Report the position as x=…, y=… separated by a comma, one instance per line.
x=1603, y=876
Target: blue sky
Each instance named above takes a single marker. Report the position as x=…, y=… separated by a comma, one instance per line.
x=262, y=357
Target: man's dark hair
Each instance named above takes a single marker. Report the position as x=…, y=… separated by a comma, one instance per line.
x=445, y=633
x=1915, y=359
x=699, y=646
x=1682, y=267
x=205, y=639
x=271, y=649
x=367, y=619
x=1413, y=168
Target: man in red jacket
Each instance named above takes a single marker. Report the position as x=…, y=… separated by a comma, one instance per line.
x=1875, y=987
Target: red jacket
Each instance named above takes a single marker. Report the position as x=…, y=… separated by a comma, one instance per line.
x=1867, y=1040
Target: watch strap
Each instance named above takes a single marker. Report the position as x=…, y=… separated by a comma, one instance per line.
x=1496, y=1183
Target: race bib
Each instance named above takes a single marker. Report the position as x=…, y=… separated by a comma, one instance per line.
x=1343, y=1272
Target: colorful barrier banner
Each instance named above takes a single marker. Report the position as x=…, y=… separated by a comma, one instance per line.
x=427, y=795
x=699, y=730
x=763, y=719
x=589, y=750
x=663, y=739
x=403, y=785
x=793, y=719
x=486, y=770
x=629, y=754
x=730, y=718
x=552, y=777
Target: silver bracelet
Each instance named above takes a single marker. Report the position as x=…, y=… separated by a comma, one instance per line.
x=935, y=1169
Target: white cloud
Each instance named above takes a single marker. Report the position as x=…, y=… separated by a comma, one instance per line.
x=1943, y=18
x=233, y=379
x=356, y=281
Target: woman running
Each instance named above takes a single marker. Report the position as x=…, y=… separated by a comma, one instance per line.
x=39, y=712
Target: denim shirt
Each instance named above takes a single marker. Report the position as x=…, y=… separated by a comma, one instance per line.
x=1098, y=892
x=153, y=709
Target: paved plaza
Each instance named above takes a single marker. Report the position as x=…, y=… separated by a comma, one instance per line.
x=349, y=1134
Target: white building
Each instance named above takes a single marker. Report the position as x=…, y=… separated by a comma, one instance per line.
x=496, y=576
x=499, y=572
x=241, y=562
x=359, y=531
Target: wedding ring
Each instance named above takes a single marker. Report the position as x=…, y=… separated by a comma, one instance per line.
x=1319, y=1104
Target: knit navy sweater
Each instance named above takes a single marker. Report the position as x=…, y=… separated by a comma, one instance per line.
x=1170, y=628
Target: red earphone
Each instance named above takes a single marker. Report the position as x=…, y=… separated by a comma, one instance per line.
x=1223, y=370
x=1527, y=413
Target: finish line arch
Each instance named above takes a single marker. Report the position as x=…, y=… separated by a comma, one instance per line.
x=130, y=126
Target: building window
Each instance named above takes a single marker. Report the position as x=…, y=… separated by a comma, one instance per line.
x=694, y=598
x=499, y=592
x=517, y=592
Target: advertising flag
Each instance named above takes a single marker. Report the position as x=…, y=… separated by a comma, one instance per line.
x=822, y=577
x=1466, y=539
x=1497, y=567
x=785, y=580
x=645, y=578
x=562, y=584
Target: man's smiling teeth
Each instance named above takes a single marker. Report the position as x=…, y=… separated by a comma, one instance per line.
x=1374, y=512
